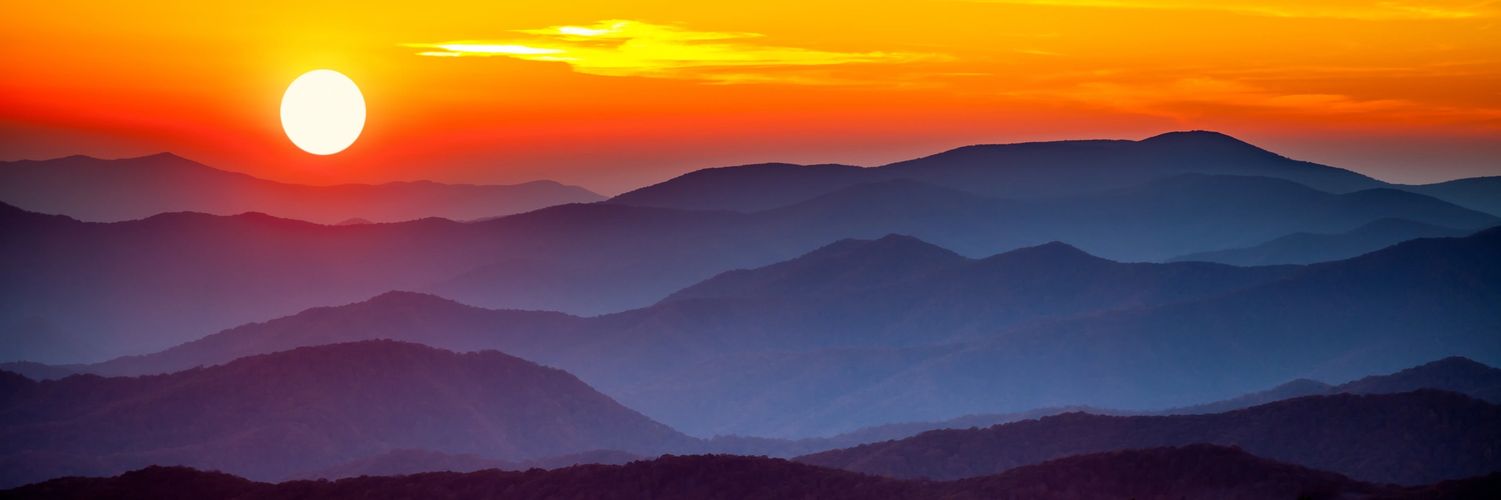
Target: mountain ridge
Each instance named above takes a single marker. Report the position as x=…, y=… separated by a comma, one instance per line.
x=1308, y=248
x=1333, y=433
x=111, y=190
x=278, y=414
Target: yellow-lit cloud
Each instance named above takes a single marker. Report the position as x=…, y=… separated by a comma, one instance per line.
x=635, y=48
x=1328, y=9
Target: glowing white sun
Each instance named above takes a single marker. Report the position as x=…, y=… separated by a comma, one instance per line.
x=323, y=112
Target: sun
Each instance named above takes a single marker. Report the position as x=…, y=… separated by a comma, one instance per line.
x=323, y=112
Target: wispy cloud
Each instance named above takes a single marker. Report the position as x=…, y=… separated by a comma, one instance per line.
x=635, y=48
x=1331, y=9
x=1197, y=97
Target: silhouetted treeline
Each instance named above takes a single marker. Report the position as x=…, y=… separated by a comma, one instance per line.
x=1187, y=473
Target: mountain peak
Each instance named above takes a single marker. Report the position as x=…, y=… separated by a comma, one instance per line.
x=1050, y=252
x=894, y=249
x=849, y=264
x=1456, y=374
x=162, y=156
x=1194, y=135
x=1455, y=362
x=890, y=242
x=744, y=188
x=402, y=298
x=1222, y=147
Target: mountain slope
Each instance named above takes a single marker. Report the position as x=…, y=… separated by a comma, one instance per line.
x=1371, y=437
x=1477, y=193
x=1308, y=248
x=99, y=190
x=275, y=415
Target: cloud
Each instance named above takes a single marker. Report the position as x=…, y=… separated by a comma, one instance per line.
x=1198, y=97
x=635, y=48
x=1327, y=9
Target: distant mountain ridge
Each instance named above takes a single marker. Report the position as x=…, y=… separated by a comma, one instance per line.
x=1369, y=437
x=1025, y=170
x=101, y=190
x=276, y=415
x=1307, y=248
x=1035, y=170
x=1453, y=374
x=1476, y=193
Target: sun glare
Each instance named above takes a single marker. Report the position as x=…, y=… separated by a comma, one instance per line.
x=323, y=112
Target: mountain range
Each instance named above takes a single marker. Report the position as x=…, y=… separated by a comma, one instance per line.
x=1413, y=302
x=828, y=299
x=99, y=190
x=799, y=349
x=1408, y=438
x=278, y=415
x=1026, y=170
x=1035, y=170
x=95, y=291
x=333, y=410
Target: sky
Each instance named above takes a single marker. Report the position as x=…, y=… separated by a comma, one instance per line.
x=615, y=95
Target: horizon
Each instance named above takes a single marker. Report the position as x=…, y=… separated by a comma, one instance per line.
x=608, y=194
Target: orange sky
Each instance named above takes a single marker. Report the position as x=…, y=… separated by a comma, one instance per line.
x=612, y=95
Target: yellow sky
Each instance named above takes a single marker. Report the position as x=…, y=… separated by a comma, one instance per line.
x=616, y=94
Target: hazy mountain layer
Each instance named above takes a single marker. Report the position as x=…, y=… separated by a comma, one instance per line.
x=98, y=190
x=277, y=415
x=1409, y=438
x=1308, y=248
x=85, y=292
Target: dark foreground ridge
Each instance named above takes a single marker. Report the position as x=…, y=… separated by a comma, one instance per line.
x=1190, y=472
